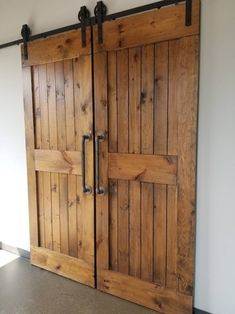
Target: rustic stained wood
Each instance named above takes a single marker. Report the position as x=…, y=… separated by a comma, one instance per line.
x=101, y=125
x=58, y=111
x=145, y=102
x=64, y=265
x=146, y=85
x=143, y=168
x=57, y=48
x=145, y=293
x=151, y=27
x=68, y=162
x=30, y=145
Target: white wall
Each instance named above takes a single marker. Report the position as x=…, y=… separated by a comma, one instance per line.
x=215, y=262
x=215, y=259
x=13, y=184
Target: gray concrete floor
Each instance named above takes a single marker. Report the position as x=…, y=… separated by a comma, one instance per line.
x=25, y=289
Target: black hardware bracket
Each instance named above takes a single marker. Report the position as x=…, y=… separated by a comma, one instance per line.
x=93, y=20
x=25, y=33
x=83, y=17
x=188, y=13
x=100, y=12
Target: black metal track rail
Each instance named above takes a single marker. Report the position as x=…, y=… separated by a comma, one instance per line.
x=93, y=20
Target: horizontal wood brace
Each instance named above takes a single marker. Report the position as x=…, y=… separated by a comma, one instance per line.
x=148, y=28
x=62, y=47
x=64, y=265
x=144, y=168
x=68, y=162
x=148, y=294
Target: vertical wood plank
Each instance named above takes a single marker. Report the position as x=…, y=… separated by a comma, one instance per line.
x=37, y=109
x=55, y=203
x=41, y=216
x=172, y=106
x=113, y=133
x=160, y=245
x=63, y=179
x=78, y=137
x=172, y=192
x=123, y=226
x=84, y=125
x=112, y=102
x=55, y=206
x=161, y=98
x=101, y=125
x=123, y=136
x=39, y=175
x=147, y=95
x=134, y=148
x=79, y=210
x=160, y=147
x=45, y=144
x=134, y=100
x=187, y=99
x=113, y=224
x=30, y=146
x=87, y=125
x=171, y=279
x=182, y=141
x=71, y=145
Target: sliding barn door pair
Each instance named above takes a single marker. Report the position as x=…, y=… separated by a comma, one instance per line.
x=111, y=150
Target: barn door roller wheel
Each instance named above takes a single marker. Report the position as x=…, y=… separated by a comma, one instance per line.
x=83, y=17
x=25, y=33
x=100, y=12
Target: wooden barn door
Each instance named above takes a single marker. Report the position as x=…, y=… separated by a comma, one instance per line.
x=59, y=124
x=146, y=86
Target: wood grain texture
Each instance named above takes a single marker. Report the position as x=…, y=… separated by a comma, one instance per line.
x=30, y=146
x=68, y=162
x=55, y=206
x=161, y=77
x=101, y=125
x=172, y=213
x=160, y=235
x=147, y=102
x=113, y=147
x=71, y=145
x=61, y=92
x=84, y=125
x=148, y=217
x=113, y=102
x=134, y=148
x=187, y=99
x=67, y=266
x=63, y=178
x=45, y=144
x=60, y=47
x=113, y=224
x=143, y=168
x=146, y=28
x=144, y=293
x=123, y=186
x=172, y=148
x=38, y=143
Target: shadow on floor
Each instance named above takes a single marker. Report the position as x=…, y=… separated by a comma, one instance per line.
x=26, y=289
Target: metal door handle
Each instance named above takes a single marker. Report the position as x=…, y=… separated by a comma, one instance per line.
x=85, y=188
x=99, y=138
